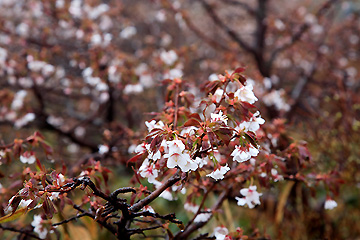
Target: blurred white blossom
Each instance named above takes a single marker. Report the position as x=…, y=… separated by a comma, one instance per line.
x=330, y=204
x=27, y=158
x=37, y=223
x=29, y=117
x=169, y=58
x=202, y=217
x=128, y=32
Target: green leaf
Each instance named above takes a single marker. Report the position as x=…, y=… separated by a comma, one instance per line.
x=13, y=216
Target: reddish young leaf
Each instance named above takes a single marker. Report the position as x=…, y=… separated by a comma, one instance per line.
x=156, y=143
x=39, y=166
x=212, y=137
x=47, y=148
x=239, y=70
x=250, y=136
x=48, y=207
x=211, y=87
x=192, y=122
x=134, y=159
x=15, y=203
x=136, y=175
x=34, y=203
x=196, y=116
x=224, y=134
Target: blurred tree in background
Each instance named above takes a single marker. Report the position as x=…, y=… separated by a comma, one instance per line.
x=79, y=78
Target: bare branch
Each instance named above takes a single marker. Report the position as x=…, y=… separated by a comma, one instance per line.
x=242, y=5
x=303, y=29
x=194, y=226
x=70, y=219
x=213, y=43
x=232, y=34
x=20, y=231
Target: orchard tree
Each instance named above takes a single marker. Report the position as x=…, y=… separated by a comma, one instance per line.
x=113, y=116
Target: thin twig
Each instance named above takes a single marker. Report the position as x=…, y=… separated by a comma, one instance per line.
x=232, y=34
x=176, y=105
x=194, y=226
x=70, y=219
x=303, y=29
x=19, y=231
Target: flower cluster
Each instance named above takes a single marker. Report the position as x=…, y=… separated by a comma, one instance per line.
x=210, y=135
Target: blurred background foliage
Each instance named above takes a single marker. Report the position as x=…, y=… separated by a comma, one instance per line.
x=92, y=73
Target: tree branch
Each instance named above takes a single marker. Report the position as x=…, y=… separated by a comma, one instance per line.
x=19, y=231
x=145, y=201
x=194, y=226
x=70, y=219
x=242, y=5
x=213, y=43
x=232, y=34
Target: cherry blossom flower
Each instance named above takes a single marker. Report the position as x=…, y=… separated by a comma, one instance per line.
x=330, y=204
x=128, y=32
x=22, y=29
x=141, y=148
x=37, y=223
x=208, y=109
x=218, y=95
x=219, y=117
x=3, y=56
x=176, y=159
x=276, y=176
x=177, y=188
x=191, y=207
x=54, y=196
x=2, y=154
x=252, y=161
x=153, y=124
x=213, y=77
x=220, y=233
x=173, y=73
x=153, y=155
x=169, y=58
x=275, y=98
x=161, y=16
x=201, y=161
x=245, y=94
x=132, y=148
x=133, y=89
x=219, y=173
x=148, y=170
x=251, y=197
x=97, y=11
x=23, y=204
x=202, y=217
x=18, y=100
x=29, y=117
x=263, y=174
x=165, y=194
x=175, y=146
x=27, y=157
x=242, y=154
x=103, y=149
x=190, y=164
x=253, y=125
x=148, y=208
x=189, y=130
